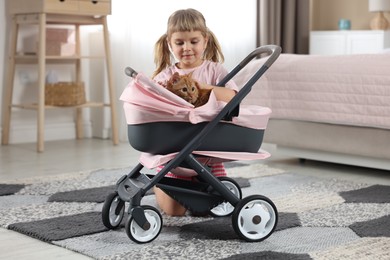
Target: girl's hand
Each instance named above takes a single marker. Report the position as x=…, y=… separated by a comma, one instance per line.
x=221, y=93
x=164, y=84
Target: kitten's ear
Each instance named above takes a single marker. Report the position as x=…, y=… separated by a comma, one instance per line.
x=197, y=84
x=175, y=77
x=190, y=74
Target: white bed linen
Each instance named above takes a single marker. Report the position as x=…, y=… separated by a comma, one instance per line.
x=345, y=89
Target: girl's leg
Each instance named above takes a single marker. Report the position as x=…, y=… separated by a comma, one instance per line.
x=167, y=204
x=172, y=207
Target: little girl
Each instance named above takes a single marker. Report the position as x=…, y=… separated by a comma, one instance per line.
x=197, y=51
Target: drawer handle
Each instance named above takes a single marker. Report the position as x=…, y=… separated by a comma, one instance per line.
x=94, y=2
x=62, y=0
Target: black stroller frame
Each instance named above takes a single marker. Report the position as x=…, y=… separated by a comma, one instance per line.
x=144, y=222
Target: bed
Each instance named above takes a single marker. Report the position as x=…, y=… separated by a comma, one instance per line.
x=327, y=108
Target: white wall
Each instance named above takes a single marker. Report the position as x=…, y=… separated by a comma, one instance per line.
x=134, y=28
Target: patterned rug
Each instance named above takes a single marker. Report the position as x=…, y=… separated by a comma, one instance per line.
x=319, y=218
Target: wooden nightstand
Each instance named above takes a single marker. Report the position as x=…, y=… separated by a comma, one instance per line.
x=348, y=42
x=57, y=12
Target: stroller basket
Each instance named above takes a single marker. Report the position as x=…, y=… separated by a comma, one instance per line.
x=169, y=137
x=180, y=134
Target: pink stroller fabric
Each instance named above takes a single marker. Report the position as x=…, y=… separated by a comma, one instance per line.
x=145, y=101
x=152, y=161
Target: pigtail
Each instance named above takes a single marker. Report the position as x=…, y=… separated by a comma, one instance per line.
x=213, y=50
x=162, y=55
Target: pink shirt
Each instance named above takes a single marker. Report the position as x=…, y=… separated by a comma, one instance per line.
x=209, y=72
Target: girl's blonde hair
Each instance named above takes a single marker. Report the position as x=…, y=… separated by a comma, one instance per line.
x=182, y=21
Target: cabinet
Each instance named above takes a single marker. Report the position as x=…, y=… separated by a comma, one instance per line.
x=348, y=42
x=58, y=12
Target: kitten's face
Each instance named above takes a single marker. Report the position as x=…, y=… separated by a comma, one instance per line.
x=184, y=86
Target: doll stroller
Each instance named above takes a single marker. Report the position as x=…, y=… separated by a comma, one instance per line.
x=176, y=135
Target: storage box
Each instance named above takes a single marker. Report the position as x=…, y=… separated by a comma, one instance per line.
x=65, y=94
x=54, y=48
x=59, y=42
x=59, y=35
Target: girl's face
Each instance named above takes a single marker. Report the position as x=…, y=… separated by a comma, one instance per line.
x=188, y=48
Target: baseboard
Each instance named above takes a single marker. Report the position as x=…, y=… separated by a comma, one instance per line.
x=57, y=131
x=362, y=161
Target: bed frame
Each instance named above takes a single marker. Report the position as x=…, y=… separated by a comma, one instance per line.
x=352, y=145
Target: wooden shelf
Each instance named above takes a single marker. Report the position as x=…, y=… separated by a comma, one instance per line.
x=73, y=57
x=33, y=59
x=48, y=12
x=34, y=106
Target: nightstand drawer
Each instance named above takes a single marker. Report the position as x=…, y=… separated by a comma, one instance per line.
x=348, y=42
x=95, y=7
x=55, y=6
x=77, y=7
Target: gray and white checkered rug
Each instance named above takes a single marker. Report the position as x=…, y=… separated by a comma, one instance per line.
x=319, y=218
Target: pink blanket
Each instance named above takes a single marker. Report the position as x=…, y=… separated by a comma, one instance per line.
x=346, y=89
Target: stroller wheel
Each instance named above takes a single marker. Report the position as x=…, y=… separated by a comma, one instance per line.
x=225, y=208
x=140, y=235
x=113, y=211
x=255, y=218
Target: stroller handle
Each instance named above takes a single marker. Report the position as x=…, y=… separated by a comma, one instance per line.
x=130, y=72
x=272, y=51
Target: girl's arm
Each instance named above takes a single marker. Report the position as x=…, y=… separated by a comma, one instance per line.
x=221, y=93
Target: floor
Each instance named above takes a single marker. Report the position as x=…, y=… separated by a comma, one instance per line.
x=22, y=161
